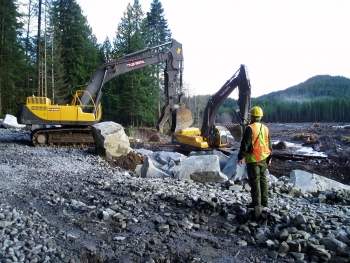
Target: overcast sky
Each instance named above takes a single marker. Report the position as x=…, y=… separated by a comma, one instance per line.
x=282, y=43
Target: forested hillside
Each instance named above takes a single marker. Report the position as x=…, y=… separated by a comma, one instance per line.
x=319, y=99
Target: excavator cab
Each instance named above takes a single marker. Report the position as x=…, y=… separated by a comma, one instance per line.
x=218, y=137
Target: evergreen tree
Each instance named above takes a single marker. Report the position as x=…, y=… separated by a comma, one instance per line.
x=158, y=30
x=158, y=33
x=106, y=52
x=79, y=50
x=131, y=98
x=11, y=57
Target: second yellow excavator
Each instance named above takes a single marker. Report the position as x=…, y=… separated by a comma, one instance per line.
x=211, y=136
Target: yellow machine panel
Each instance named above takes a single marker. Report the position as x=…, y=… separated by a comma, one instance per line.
x=69, y=113
x=190, y=137
x=54, y=113
x=41, y=107
x=189, y=131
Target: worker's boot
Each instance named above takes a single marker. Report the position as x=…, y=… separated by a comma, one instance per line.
x=264, y=213
x=257, y=210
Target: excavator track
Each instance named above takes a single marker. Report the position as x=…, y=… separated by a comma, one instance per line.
x=63, y=137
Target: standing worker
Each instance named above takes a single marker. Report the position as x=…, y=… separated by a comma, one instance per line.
x=257, y=151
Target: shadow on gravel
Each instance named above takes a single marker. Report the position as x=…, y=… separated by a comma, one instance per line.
x=22, y=142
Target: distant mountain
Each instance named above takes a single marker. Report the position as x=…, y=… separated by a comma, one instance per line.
x=321, y=98
x=315, y=88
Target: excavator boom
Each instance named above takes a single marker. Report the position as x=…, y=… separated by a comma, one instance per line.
x=241, y=80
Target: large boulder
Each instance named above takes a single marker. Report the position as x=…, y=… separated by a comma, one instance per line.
x=232, y=170
x=149, y=170
x=222, y=157
x=313, y=183
x=110, y=139
x=199, y=169
x=10, y=122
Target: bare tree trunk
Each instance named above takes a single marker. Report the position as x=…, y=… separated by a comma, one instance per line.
x=45, y=53
x=27, y=45
x=159, y=109
x=52, y=71
x=2, y=41
x=38, y=46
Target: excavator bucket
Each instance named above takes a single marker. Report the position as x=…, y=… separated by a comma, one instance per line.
x=183, y=119
x=236, y=131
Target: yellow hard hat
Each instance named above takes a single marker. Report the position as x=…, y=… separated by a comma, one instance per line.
x=256, y=111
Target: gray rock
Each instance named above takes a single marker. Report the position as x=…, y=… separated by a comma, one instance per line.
x=110, y=139
x=332, y=244
x=223, y=159
x=199, y=168
x=294, y=246
x=234, y=171
x=312, y=183
x=283, y=248
x=319, y=253
x=161, y=158
x=272, y=254
x=149, y=170
x=298, y=220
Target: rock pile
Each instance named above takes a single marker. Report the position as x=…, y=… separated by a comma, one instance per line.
x=65, y=205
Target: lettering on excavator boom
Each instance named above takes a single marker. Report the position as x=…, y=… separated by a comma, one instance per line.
x=135, y=63
x=223, y=93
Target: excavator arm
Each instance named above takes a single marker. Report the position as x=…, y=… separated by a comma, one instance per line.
x=173, y=58
x=241, y=80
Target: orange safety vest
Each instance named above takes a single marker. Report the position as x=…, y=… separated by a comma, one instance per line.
x=261, y=147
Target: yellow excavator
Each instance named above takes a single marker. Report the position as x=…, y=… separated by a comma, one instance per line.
x=211, y=136
x=75, y=119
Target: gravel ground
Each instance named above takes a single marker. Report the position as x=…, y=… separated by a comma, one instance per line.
x=66, y=205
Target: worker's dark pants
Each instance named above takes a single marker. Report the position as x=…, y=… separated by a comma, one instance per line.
x=258, y=183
